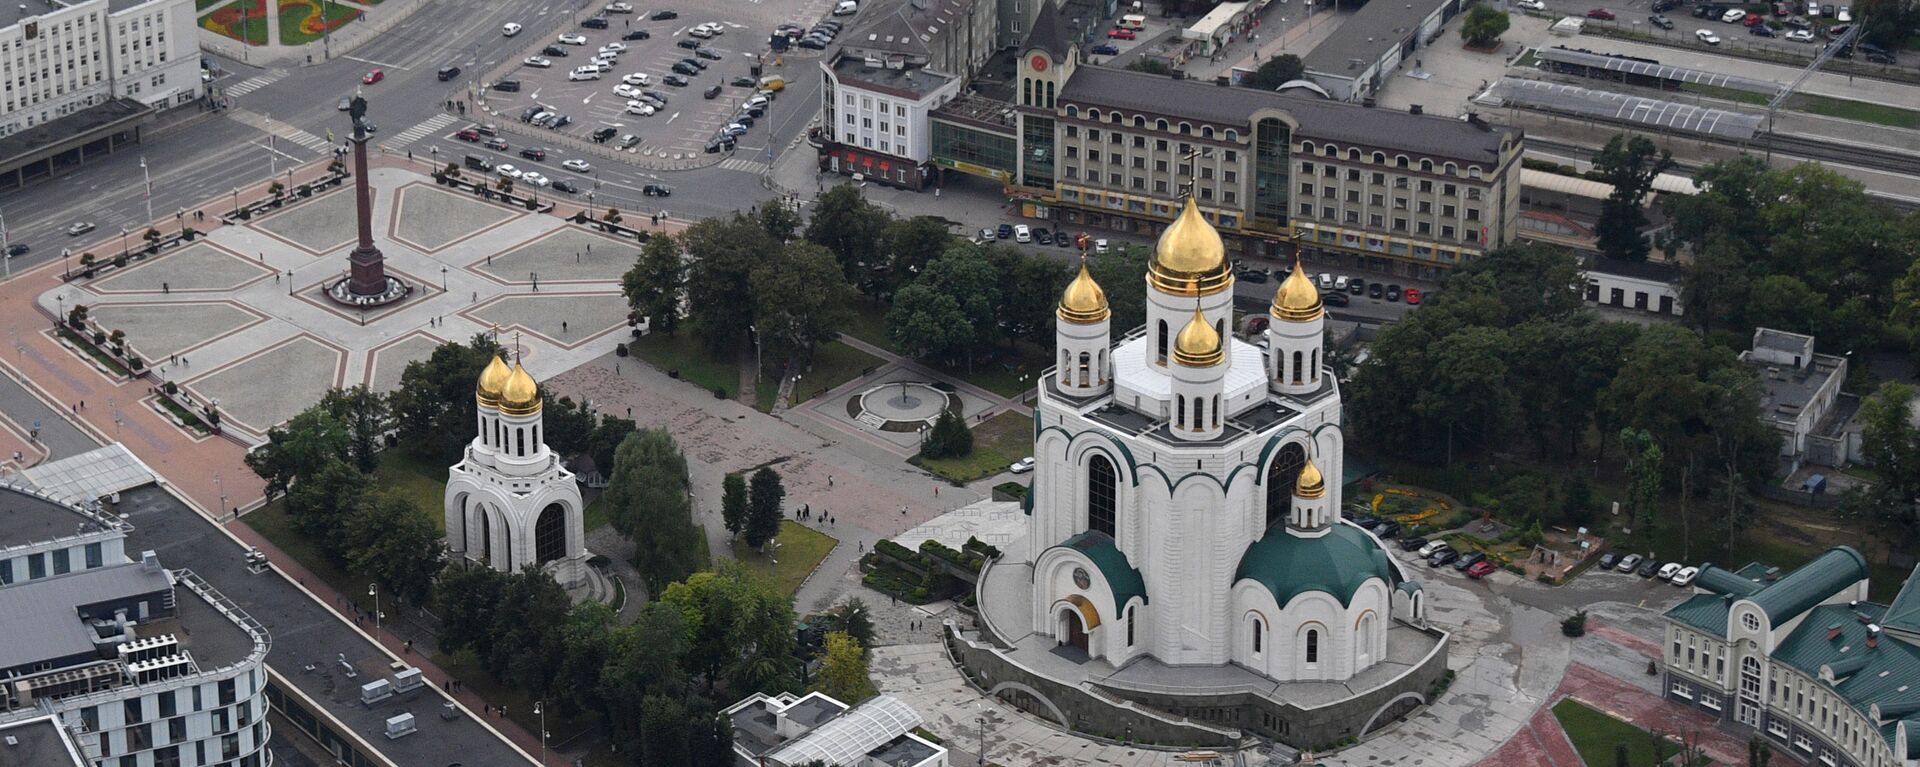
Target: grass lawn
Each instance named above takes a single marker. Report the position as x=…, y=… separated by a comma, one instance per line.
x=1000, y=441
x=868, y=322
x=801, y=550
x=684, y=354
x=86, y=346
x=1594, y=733
x=1878, y=114
x=419, y=481
x=201, y=5
x=597, y=515
x=192, y=420
x=834, y=363
x=295, y=16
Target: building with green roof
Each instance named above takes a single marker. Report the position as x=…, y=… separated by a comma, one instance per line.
x=1803, y=658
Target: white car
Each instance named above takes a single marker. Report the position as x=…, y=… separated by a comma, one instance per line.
x=508, y=171
x=626, y=91
x=1733, y=16
x=510, y=29
x=641, y=108
x=1667, y=570
x=1533, y=5
x=1800, y=35
x=637, y=78
x=1022, y=466
x=1707, y=36
x=534, y=179
x=1326, y=281
x=1685, y=576
x=619, y=7
x=538, y=61
x=569, y=38
x=603, y=67
x=705, y=31
x=1844, y=14
x=1340, y=282
x=715, y=28
x=584, y=73
x=613, y=48
x=1100, y=246
x=757, y=101
x=1022, y=234
x=577, y=166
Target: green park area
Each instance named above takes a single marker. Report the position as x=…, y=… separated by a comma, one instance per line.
x=683, y=357
x=997, y=443
x=305, y=21
x=800, y=550
x=243, y=20
x=1596, y=735
x=834, y=363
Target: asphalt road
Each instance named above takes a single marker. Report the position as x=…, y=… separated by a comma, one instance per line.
x=198, y=162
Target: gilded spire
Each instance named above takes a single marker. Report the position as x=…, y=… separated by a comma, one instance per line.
x=1083, y=303
x=1297, y=300
x=1190, y=258
x=520, y=395
x=1310, y=484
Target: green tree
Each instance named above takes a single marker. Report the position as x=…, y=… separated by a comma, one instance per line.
x=648, y=503
x=1484, y=25
x=433, y=410
x=1785, y=303
x=566, y=427
x=605, y=440
x=1892, y=445
x=733, y=503
x=1743, y=447
x=656, y=284
x=723, y=253
x=710, y=741
x=1277, y=71
x=854, y=619
x=320, y=505
x=528, y=646
x=1560, y=368
x=1643, y=480
x=465, y=599
x=929, y=325
x=800, y=301
x=1468, y=394
x=643, y=659
x=1150, y=66
x=1629, y=165
x=1619, y=750
x=1029, y=291
x=299, y=450
x=850, y=228
x=392, y=541
x=909, y=244
x=741, y=629
x=763, y=507
x=843, y=670
x=585, y=643
x=663, y=730
x=366, y=417
x=780, y=222
x=1122, y=273
x=949, y=437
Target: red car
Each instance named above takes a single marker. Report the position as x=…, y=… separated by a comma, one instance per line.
x=468, y=135
x=1481, y=569
x=1752, y=19
x=375, y=76
x=1120, y=34
x=1413, y=296
x=1601, y=14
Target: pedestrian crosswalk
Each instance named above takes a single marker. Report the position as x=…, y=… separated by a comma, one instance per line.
x=433, y=125
x=744, y=165
x=255, y=83
x=279, y=129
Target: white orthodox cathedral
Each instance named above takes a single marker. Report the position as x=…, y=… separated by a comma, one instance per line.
x=510, y=503
x=1186, y=509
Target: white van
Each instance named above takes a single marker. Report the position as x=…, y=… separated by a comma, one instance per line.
x=1133, y=21
x=846, y=8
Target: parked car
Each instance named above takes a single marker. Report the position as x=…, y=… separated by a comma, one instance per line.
x=641, y=108
x=846, y=8
x=1325, y=281
x=663, y=15
x=496, y=144
x=1800, y=36
x=535, y=179
x=1253, y=276
x=1412, y=295
x=1685, y=576
x=1335, y=299
x=683, y=68
x=1432, y=547
x=1022, y=466
x=447, y=73
x=1843, y=14
x=1104, y=49
x=708, y=54
x=584, y=73
x=1468, y=560
x=535, y=154
x=1357, y=287
x=675, y=81
x=555, y=51
x=1667, y=571
x=510, y=29
x=1608, y=559
x=1481, y=569
x=986, y=234
x=539, y=62
x=1533, y=5
x=1376, y=290
x=563, y=185
x=468, y=135
x=629, y=141
x=1119, y=33
x=688, y=43
x=619, y=8
x=1707, y=36
x=718, y=143
x=1387, y=529
x=1733, y=15
x=1443, y=557
x=506, y=170
x=1393, y=292
x=1628, y=563
x=637, y=34
x=812, y=43
x=596, y=22
x=1042, y=237
x=1648, y=568
x=1410, y=544
x=1005, y=231
x=374, y=76
x=1601, y=14
x=577, y=166
x=1760, y=30
x=1022, y=234
x=1660, y=20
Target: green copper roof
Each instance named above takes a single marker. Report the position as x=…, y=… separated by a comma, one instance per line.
x=1904, y=613
x=1886, y=674
x=1816, y=581
x=1706, y=612
x=1336, y=563
x=1121, y=575
x=1721, y=581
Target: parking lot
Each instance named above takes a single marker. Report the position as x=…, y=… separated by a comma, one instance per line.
x=684, y=124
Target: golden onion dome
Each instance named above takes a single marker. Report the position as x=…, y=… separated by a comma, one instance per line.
x=1084, y=303
x=1297, y=299
x=487, y=390
x=520, y=395
x=1310, y=484
x=1198, y=344
x=1190, y=259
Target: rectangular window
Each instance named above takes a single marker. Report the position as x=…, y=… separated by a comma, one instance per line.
x=176, y=729
x=36, y=566
x=1353, y=175
x=1447, y=211
x=1306, y=209
x=1473, y=214
x=1399, y=224
x=1446, y=233
x=1681, y=690
x=6, y=571
x=93, y=555
x=1327, y=213
x=1425, y=185
x=169, y=703
x=1449, y=190
x=62, y=562
x=1424, y=228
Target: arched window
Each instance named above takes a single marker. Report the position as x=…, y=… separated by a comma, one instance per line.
x=1139, y=122
x=1379, y=158
x=1259, y=636
x=1451, y=169
x=1049, y=94
x=1216, y=411
x=1426, y=166
x=1313, y=646
x=1330, y=151
x=1160, y=125
x=1160, y=343
x=550, y=534
x=1130, y=611
x=519, y=442
x=1199, y=413
x=1296, y=367
x=1102, y=494
x=1363, y=641
x=1353, y=154
x=1473, y=171
x=1026, y=92
x=1280, y=477
x=1315, y=375
x=1206, y=131
x=1066, y=367
x=1180, y=410
x=1233, y=135
x=1306, y=147
x=1073, y=111
x=1400, y=160
x=1086, y=365
x=1100, y=366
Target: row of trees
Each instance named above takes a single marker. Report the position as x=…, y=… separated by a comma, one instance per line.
x=752, y=509
x=971, y=298
x=1503, y=360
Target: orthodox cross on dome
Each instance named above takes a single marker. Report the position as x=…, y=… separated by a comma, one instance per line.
x=1189, y=160
x=516, y=347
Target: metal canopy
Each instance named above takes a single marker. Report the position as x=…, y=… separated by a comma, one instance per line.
x=1657, y=70
x=1585, y=102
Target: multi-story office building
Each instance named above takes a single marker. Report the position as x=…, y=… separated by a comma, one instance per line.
x=901, y=61
x=1108, y=148
x=79, y=74
x=1804, y=658
x=144, y=666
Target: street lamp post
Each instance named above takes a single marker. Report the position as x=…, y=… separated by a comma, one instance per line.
x=61, y=301
x=373, y=590
x=64, y=252
x=6, y=250
x=223, y=492
x=236, y=202
x=755, y=330
x=540, y=709
x=123, y=241
x=147, y=177
x=443, y=279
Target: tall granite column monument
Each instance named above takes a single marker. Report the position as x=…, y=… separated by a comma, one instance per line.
x=366, y=283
